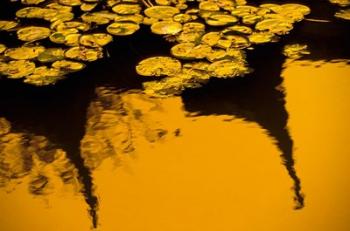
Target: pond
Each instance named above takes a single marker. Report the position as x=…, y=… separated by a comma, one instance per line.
x=264, y=152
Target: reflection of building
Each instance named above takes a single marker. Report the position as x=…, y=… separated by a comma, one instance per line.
x=28, y=155
x=116, y=122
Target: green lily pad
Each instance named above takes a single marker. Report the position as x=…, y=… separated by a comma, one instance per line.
x=166, y=28
x=209, y=6
x=96, y=17
x=123, y=28
x=182, y=18
x=161, y=12
x=158, y=66
x=95, y=40
x=190, y=51
x=43, y=76
x=23, y=53
x=68, y=66
x=78, y=26
x=33, y=33
x=292, y=7
x=51, y=55
x=238, y=29
x=19, y=69
x=84, y=54
x=7, y=25
x=125, y=9
x=233, y=41
x=341, y=3
x=221, y=54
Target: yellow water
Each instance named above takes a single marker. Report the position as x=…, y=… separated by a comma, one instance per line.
x=156, y=167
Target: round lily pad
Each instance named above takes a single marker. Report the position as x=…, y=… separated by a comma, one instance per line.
x=238, y=29
x=43, y=76
x=95, y=40
x=182, y=18
x=87, y=7
x=2, y=48
x=158, y=66
x=166, y=28
x=161, y=12
x=227, y=68
x=7, y=25
x=23, y=53
x=276, y=26
x=84, y=54
x=233, y=41
x=68, y=66
x=51, y=55
x=123, y=28
x=33, y=12
x=19, y=69
x=124, y=9
x=190, y=51
x=220, y=19
x=33, y=33
x=261, y=37
x=343, y=14
x=211, y=38
x=70, y=2
x=32, y=2
x=64, y=26
x=209, y=6
x=95, y=17
x=72, y=40
x=136, y=18
x=292, y=7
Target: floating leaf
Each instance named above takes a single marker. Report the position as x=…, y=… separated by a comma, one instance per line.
x=276, y=26
x=190, y=51
x=295, y=51
x=125, y=9
x=68, y=66
x=228, y=68
x=2, y=48
x=342, y=3
x=7, y=25
x=166, y=28
x=221, y=19
x=261, y=37
x=33, y=33
x=84, y=54
x=32, y=2
x=18, y=69
x=343, y=14
x=95, y=40
x=23, y=53
x=123, y=28
x=51, y=55
x=158, y=66
x=87, y=7
x=161, y=12
x=43, y=76
x=136, y=18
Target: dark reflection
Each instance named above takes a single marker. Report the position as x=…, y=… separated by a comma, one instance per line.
x=255, y=98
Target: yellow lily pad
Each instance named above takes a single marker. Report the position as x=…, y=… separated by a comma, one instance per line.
x=220, y=19
x=276, y=26
x=32, y=2
x=87, y=7
x=43, y=76
x=70, y=2
x=81, y=26
x=211, y=38
x=7, y=25
x=208, y=6
x=228, y=68
x=341, y=3
x=190, y=51
x=84, y=54
x=19, y=69
x=123, y=28
x=343, y=14
x=2, y=48
x=295, y=51
x=166, y=28
x=72, y=40
x=158, y=66
x=125, y=9
x=95, y=40
x=136, y=18
x=60, y=8
x=23, y=53
x=221, y=54
x=251, y=19
x=161, y=12
x=233, y=41
x=33, y=33
x=261, y=37
x=292, y=7
x=182, y=18
x=68, y=66
x=51, y=55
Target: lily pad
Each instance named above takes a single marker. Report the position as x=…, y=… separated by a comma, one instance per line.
x=343, y=14
x=295, y=51
x=166, y=28
x=70, y=2
x=136, y=18
x=43, y=76
x=32, y=2
x=161, y=12
x=228, y=68
x=23, y=53
x=123, y=28
x=276, y=26
x=220, y=19
x=341, y=3
x=33, y=33
x=19, y=69
x=125, y=9
x=51, y=55
x=95, y=40
x=190, y=51
x=158, y=66
x=7, y=25
x=84, y=54
x=2, y=48
x=68, y=66
x=261, y=37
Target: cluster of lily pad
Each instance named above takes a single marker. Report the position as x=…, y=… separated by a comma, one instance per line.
x=209, y=36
